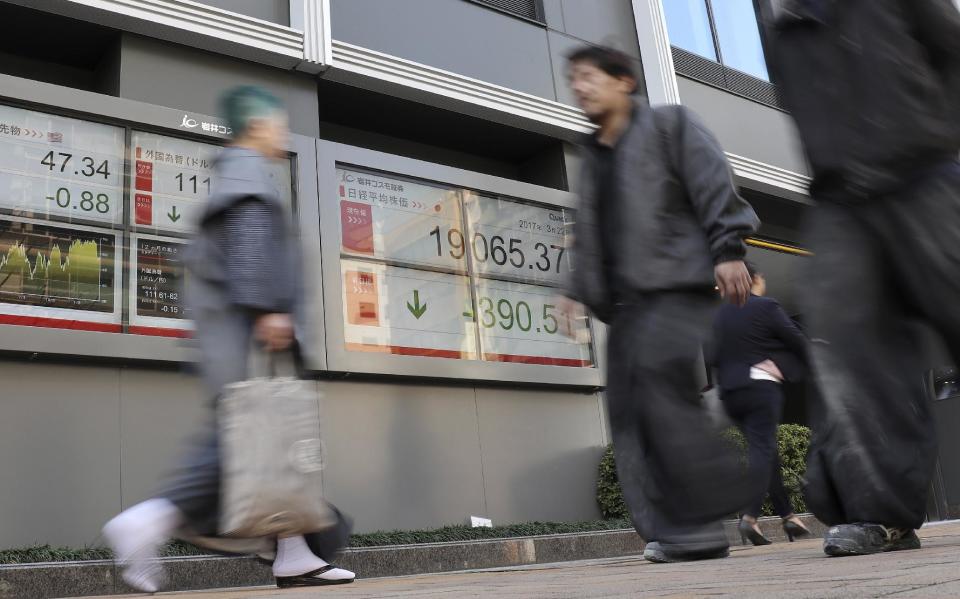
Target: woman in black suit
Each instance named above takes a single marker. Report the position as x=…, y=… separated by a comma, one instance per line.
x=757, y=348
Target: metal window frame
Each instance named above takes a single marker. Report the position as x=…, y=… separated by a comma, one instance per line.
x=767, y=92
x=339, y=359
x=129, y=114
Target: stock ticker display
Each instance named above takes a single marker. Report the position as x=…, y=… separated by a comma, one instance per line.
x=95, y=220
x=432, y=270
x=71, y=222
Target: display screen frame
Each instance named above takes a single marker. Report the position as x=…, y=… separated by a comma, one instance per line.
x=333, y=156
x=130, y=115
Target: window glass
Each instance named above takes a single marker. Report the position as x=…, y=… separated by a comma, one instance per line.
x=688, y=25
x=739, y=35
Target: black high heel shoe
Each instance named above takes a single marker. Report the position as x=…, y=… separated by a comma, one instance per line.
x=747, y=531
x=794, y=530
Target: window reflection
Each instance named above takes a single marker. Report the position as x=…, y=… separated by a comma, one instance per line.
x=726, y=31
x=688, y=24
x=739, y=36
x=946, y=383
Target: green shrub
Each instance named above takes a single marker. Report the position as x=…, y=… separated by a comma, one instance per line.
x=46, y=553
x=466, y=533
x=609, y=494
x=793, y=441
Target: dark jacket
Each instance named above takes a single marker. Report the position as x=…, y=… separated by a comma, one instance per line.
x=744, y=337
x=677, y=210
x=874, y=86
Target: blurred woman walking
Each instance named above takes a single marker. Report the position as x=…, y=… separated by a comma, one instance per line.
x=757, y=348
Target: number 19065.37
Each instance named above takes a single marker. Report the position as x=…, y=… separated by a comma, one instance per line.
x=500, y=251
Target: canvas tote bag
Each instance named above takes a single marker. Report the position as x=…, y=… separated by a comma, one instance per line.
x=271, y=454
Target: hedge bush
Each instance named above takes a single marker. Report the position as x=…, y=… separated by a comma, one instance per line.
x=793, y=441
x=46, y=553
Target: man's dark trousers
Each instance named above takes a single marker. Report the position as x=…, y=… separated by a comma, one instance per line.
x=879, y=267
x=678, y=477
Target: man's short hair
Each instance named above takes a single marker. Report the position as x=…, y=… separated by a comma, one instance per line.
x=752, y=269
x=612, y=62
x=242, y=104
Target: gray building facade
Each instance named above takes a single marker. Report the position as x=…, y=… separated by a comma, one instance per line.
x=460, y=101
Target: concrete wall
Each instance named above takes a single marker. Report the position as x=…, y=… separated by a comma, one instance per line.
x=275, y=11
x=745, y=127
x=79, y=443
x=82, y=441
x=486, y=44
x=193, y=80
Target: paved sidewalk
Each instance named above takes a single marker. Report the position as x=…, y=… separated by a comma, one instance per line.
x=789, y=570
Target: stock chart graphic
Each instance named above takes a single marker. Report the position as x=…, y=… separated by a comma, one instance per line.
x=55, y=267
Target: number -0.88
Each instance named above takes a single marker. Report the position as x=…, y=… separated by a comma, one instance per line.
x=88, y=201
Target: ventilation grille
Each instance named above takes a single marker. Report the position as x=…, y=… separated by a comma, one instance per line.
x=528, y=9
x=698, y=67
x=711, y=72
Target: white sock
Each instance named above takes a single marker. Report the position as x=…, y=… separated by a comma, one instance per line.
x=136, y=534
x=295, y=558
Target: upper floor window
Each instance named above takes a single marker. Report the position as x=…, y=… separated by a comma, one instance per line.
x=724, y=31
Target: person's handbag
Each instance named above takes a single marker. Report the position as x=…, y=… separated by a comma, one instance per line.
x=271, y=456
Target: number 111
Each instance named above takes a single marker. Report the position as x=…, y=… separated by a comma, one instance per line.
x=193, y=180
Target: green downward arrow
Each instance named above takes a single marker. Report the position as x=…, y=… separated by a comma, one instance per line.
x=172, y=215
x=417, y=309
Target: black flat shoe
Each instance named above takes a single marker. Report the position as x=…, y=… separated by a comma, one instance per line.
x=747, y=531
x=311, y=579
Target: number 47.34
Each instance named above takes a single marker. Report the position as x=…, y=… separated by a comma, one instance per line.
x=61, y=160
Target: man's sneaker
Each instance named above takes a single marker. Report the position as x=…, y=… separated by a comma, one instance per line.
x=653, y=553
x=864, y=538
x=663, y=553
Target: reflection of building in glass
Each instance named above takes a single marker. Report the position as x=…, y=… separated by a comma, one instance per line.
x=946, y=382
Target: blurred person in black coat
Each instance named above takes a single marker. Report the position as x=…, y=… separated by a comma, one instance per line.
x=874, y=87
x=659, y=226
x=758, y=348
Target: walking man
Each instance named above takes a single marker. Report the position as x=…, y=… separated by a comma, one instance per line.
x=659, y=226
x=875, y=89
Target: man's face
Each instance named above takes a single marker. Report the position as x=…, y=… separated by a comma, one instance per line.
x=596, y=92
